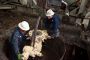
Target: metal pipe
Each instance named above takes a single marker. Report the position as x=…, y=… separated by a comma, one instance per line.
x=35, y=31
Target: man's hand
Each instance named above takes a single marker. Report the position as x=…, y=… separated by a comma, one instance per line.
x=49, y=37
x=28, y=37
x=19, y=56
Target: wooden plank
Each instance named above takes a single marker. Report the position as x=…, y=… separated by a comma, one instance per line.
x=6, y=7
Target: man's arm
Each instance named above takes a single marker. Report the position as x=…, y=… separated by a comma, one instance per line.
x=15, y=43
x=16, y=46
x=56, y=24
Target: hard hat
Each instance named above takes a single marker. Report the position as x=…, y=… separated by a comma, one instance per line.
x=24, y=25
x=50, y=13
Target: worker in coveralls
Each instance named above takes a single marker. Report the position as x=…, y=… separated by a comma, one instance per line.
x=52, y=23
x=18, y=39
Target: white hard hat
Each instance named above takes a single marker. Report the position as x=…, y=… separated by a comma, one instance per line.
x=50, y=13
x=24, y=25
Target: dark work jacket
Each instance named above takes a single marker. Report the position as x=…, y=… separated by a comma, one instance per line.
x=53, y=24
x=17, y=42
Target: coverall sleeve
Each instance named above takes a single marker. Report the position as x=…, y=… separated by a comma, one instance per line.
x=15, y=43
x=56, y=24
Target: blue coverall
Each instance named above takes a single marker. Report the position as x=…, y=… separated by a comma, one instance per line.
x=16, y=42
x=52, y=25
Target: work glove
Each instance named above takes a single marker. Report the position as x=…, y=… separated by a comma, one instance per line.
x=28, y=37
x=49, y=37
x=19, y=56
x=53, y=36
